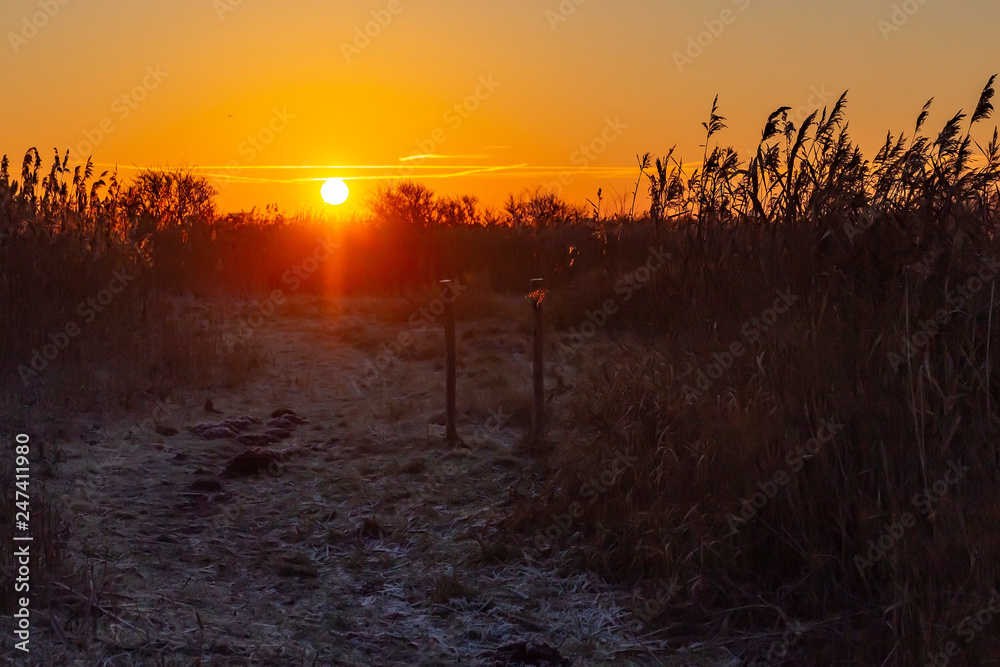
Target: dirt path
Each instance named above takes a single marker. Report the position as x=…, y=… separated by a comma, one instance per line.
x=371, y=543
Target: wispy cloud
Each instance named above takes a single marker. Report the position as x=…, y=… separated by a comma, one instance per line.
x=433, y=156
x=270, y=173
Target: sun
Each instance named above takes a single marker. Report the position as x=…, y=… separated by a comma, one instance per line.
x=334, y=191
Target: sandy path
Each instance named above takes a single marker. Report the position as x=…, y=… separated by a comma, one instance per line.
x=371, y=544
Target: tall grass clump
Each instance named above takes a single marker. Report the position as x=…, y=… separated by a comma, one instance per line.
x=85, y=263
x=814, y=415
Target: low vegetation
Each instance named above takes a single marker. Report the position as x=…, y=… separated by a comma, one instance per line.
x=799, y=440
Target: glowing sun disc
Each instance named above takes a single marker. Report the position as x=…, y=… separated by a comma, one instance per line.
x=334, y=191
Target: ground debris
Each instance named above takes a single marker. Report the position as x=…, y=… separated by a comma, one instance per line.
x=242, y=423
x=256, y=439
x=524, y=653
x=209, y=431
x=252, y=461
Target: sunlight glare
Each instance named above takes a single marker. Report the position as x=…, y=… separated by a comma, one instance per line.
x=334, y=191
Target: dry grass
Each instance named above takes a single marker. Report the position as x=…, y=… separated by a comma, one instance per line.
x=651, y=453
x=367, y=546
x=870, y=251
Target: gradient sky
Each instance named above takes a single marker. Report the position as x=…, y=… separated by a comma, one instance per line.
x=201, y=77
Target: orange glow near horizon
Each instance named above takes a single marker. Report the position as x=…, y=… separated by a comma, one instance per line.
x=270, y=100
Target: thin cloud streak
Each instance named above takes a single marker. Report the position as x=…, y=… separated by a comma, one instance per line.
x=433, y=156
x=521, y=170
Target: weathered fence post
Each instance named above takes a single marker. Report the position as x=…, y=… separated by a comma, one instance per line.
x=447, y=296
x=538, y=369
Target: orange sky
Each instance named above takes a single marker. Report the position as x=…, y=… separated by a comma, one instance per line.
x=502, y=94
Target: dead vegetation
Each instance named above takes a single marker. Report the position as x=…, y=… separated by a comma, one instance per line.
x=772, y=434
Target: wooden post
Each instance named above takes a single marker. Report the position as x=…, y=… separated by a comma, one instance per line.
x=538, y=369
x=448, y=296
